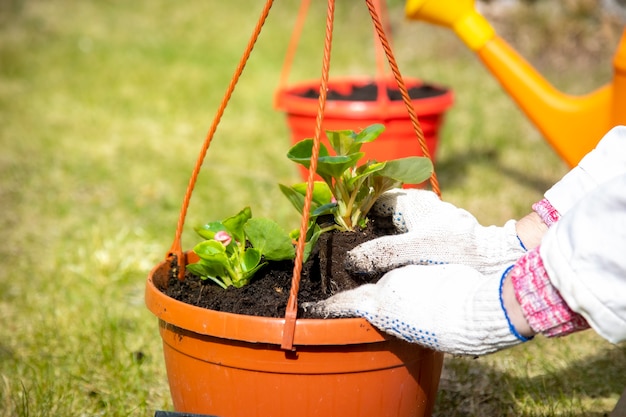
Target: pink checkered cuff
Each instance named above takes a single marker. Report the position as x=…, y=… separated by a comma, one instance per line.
x=542, y=304
x=546, y=211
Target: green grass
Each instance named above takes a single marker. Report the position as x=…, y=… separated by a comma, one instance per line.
x=103, y=109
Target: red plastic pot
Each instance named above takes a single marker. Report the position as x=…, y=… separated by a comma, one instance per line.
x=231, y=365
x=399, y=139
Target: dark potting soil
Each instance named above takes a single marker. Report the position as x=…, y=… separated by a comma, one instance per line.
x=369, y=92
x=267, y=294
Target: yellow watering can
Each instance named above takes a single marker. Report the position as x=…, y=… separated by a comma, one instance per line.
x=572, y=125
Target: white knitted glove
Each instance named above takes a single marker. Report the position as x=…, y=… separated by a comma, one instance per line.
x=606, y=161
x=450, y=308
x=433, y=232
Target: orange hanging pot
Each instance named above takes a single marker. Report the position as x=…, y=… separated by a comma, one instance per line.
x=354, y=103
x=231, y=365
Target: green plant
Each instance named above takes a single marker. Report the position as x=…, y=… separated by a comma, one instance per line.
x=239, y=246
x=349, y=190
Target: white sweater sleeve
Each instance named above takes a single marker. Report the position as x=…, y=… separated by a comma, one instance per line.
x=584, y=254
x=603, y=163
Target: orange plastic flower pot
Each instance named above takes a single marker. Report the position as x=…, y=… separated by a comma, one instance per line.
x=399, y=139
x=231, y=365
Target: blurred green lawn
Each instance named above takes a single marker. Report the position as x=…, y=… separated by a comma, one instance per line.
x=103, y=109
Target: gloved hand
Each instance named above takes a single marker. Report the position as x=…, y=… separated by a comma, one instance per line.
x=436, y=232
x=458, y=310
x=433, y=232
x=449, y=308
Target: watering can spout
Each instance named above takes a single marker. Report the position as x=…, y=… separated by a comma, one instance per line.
x=572, y=125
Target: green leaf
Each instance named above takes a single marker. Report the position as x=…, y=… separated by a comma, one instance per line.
x=302, y=152
x=310, y=244
x=205, y=272
x=213, y=257
x=296, y=199
x=342, y=141
x=382, y=184
x=296, y=194
x=366, y=170
x=234, y=225
x=347, y=142
x=330, y=208
x=198, y=269
x=270, y=239
x=335, y=166
x=247, y=276
x=210, y=229
x=328, y=166
x=251, y=259
x=370, y=133
x=209, y=249
x=321, y=192
x=410, y=170
x=214, y=263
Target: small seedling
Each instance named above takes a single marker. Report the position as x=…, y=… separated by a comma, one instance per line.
x=239, y=246
x=348, y=191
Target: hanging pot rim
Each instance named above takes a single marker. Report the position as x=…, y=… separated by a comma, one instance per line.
x=252, y=328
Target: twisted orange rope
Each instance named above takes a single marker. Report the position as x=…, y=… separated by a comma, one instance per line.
x=434, y=183
x=291, y=313
x=176, y=249
x=292, y=303
x=292, y=47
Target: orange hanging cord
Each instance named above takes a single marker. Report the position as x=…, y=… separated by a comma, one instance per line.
x=380, y=30
x=176, y=249
x=383, y=50
x=292, y=48
x=292, y=304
